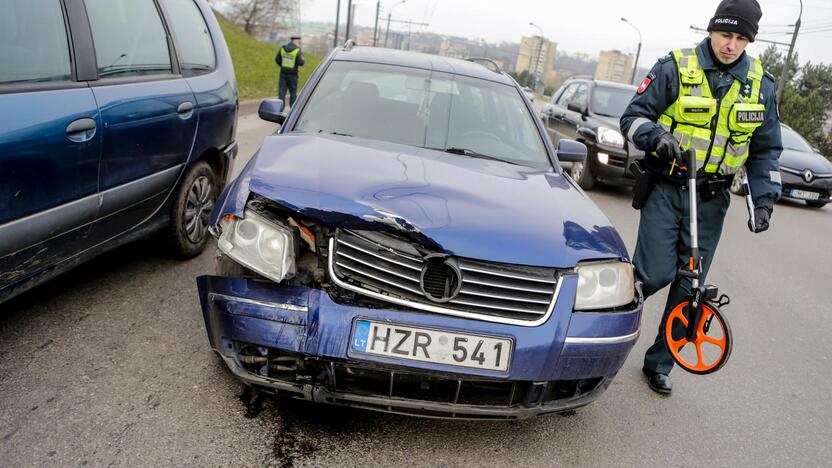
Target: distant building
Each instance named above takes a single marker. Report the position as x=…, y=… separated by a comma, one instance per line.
x=448, y=49
x=537, y=55
x=615, y=66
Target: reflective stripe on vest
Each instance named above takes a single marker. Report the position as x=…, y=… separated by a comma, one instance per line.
x=288, y=58
x=691, y=117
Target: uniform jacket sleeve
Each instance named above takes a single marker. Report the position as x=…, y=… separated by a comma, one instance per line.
x=278, y=59
x=300, y=60
x=638, y=123
x=763, y=163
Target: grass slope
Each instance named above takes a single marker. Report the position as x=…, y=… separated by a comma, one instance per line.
x=254, y=63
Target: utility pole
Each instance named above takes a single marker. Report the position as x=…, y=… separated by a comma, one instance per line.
x=389, y=14
x=783, y=74
x=537, y=68
x=337, y=19
x=349, y=19
x=409, y=31
x=375, y=29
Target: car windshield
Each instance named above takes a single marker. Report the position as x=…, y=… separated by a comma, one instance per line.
x=459, y=114
x=793, y=141
x=610, y=102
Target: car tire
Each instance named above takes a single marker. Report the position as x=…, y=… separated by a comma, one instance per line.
x=581, y=173
x=816, y=204
x=187, y=232
x=736, y=184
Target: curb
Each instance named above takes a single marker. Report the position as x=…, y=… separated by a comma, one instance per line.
x=249, y=107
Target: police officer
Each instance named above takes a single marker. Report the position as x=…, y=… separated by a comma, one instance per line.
x=718, y=101
x=289, y=58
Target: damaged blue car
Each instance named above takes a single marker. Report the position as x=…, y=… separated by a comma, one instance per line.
x=407, y=242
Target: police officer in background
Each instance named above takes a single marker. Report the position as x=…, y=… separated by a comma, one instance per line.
x=718, y=101
x=289, y=58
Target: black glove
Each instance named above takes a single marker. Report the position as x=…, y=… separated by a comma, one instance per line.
x=762, y=216
x=669, y=150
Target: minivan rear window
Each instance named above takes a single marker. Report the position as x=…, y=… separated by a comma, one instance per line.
x=193, y=41
x=33, y=42
x=129, y=38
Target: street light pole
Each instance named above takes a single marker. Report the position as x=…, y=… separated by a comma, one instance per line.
x=349, y=19
x=638, y=51
x=783, y=74
x=537, y=67
x=389, y=14
x=375, y=29
x=337, y=19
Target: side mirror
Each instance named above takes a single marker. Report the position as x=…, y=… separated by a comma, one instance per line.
x=571, y=151
x=576, y=107
x=272, y=110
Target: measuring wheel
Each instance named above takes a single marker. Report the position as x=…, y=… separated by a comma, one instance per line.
x=708, y=348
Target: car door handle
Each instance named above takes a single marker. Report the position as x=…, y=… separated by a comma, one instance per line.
x=185, y=109
x=81, y=130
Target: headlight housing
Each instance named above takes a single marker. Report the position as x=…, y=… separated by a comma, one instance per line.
x=260, y=245
x=604, y=285
x=610, y=137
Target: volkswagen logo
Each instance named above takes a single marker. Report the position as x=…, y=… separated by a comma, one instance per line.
x=440, y=280
x=808, y=176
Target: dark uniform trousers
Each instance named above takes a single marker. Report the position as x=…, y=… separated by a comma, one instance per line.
x=664, y=247
x=289, y=82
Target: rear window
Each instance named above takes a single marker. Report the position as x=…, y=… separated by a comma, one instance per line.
x=129, y=38
x=193, y=42
x=33, y=42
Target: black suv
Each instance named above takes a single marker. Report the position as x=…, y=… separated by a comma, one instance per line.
x=588, y=110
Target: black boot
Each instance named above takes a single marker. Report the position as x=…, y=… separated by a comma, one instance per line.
x=659, y=383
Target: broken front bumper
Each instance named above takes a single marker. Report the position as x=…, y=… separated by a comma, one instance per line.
x=294, y=341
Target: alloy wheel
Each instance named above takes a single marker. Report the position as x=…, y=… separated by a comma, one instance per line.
x=198, y=208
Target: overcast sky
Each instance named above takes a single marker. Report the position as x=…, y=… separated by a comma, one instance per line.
x=590, y=26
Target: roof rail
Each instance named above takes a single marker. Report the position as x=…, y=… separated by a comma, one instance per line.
x=487, y=63
x=348, y=45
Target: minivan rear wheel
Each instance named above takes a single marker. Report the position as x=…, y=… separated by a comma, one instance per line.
x=193, y=203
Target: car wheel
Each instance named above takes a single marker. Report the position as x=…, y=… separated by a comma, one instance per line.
x=195, y=198
x=816, y=204
x=582, y=174
x=736, y=184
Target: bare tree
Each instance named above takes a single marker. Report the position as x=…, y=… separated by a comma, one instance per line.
x=251, y=14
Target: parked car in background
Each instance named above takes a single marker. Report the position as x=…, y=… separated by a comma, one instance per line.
x=407, y=242
x=805, y=173
x=588, y=111
x=117, y=120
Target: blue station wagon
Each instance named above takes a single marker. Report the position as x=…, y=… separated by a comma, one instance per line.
x=117, y=120
x=407, y=242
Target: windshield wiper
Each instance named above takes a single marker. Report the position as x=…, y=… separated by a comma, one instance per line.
x=474, y=154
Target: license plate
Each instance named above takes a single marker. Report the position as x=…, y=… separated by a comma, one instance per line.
x=427, y=345
x=804, y=194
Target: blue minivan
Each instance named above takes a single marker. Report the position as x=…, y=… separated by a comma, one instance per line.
x=408, y=242
x=117, y=119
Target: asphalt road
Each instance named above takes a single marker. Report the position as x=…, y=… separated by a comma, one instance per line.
x=110, y=365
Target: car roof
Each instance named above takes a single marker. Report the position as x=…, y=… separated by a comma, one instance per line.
x=604, y=83
x=420, y=60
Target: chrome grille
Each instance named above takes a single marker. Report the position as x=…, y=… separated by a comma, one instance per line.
x=490, y=291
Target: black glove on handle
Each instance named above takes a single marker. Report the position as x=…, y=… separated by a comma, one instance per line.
x=762, y=216
x=669, y=150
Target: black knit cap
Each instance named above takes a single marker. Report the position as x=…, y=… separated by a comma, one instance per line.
x=739, y=16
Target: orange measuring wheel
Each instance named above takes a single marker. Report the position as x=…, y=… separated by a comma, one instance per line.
x=710, y=347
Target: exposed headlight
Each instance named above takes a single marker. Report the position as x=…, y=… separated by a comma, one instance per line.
x=604, y=285
x=260, y=245
x=610, y=137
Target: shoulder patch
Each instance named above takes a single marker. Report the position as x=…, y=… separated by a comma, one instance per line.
x=665, y=58
x=769, y=76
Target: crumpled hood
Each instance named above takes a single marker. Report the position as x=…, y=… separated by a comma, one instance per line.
x=463, y=206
